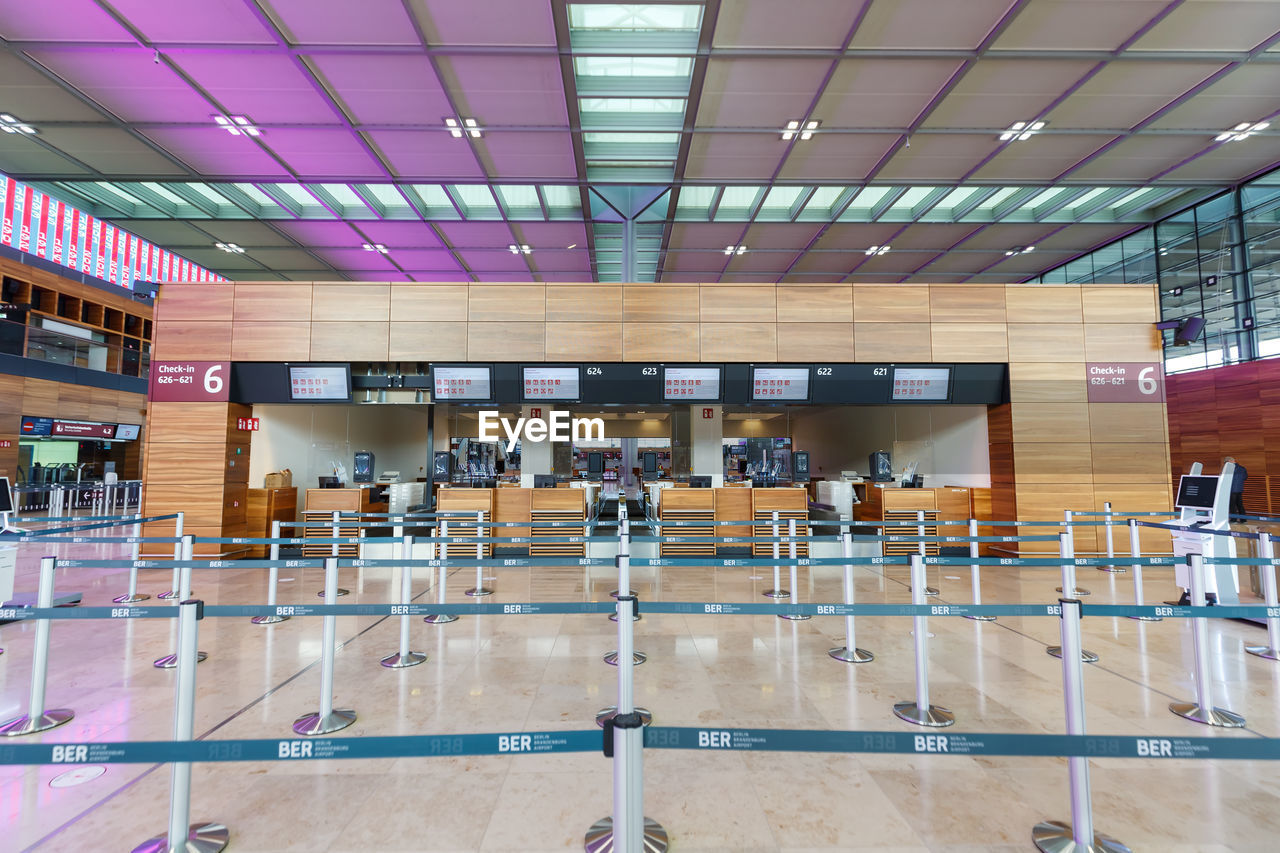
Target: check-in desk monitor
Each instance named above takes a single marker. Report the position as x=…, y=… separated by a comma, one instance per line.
x=1203, y=504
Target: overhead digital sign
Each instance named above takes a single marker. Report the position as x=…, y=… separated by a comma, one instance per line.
x=921, y=384
x=461, y=384
x=320, y=383
x=550, y=383
x=691, y=383
x=780, y=384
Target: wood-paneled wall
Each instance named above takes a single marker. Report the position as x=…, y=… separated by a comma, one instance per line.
x=1051, y=449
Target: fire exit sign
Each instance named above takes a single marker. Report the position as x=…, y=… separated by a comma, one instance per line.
x=247, y=424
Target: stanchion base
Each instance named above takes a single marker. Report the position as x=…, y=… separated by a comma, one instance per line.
x=477, y=593
x=314, y=724
x=440, y=618
x=1147, y=618
x=171, y=661
x=268, y=620
x=928, y=590
x=981, y=618
x=1220, y=717
x=167, y=596
x=637, y=658
x=399, y=661
x=600, y=837
x=855, y=656
x=930, y=716
x=794, y=617
x=646, y=716
x=1086, y=656
x=1113, y=570
x=777, y=593
x=1054, y=836
x=613, y=617
x=25, y=725
x=614, y=594
x=1263, y=652
x=1079, y=592
x=130, y=599
x=201, y=838
x=340, y=592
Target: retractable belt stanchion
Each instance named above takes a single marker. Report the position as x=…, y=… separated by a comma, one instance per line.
x=37, y=719
x=404, y=657
x=627, y=830
x=273, y=580
x=479, y=589
x=187, y=549
x=135, y=550
x=1070, y=588
x=920, y=548
x=202, y=837
x=1109, y=527
x=441, y=587
x=777, y=591
x=849, y=652
x=1078, y=836
x=328, y=719
x=920, y=711
x=333, y=552
x=795, y=584
x=624, y=588
x=1135, y=552
x=172, y=591
x=1202, y=709
x=1271, y=650
x=1066, y=550
x=975, y=577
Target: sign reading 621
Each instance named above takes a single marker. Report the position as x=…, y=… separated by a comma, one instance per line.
x=1124, y=382
x=190, y=381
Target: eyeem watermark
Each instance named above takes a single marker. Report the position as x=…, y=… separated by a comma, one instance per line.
x=561, y=426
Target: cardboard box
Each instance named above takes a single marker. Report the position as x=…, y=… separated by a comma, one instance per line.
x=279, y=479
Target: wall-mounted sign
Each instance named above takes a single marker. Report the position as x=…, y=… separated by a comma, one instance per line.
x=189, y=381
x=1124, y=382
x=127, y=432
x=6, y=443
x=79, y=429
x=690, y=383
x=461, y=383
x=708, y=414
x=36, y=426
x=247, y=424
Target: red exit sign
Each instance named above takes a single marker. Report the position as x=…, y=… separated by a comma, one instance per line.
x=247, y=424
x=6, y=443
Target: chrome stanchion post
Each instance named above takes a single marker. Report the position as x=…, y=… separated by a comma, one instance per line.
x=479, y=589
x=333, y=552
x=1066, y=551
x=849, y=652
x=1074, y=590
x=1135, y=553
x=975, y=577
x=37, y=719
x=624, y=588
x=1271, y=651
x=1109, y=527
x=440, y=618
x=920, y=548
x=273, y=579
x=186, y=549
x=328, y=719
x=173, y=590
x=1055, y=836
x=202, y=837
x=404, y=658
x=920, y=711
x=795, y=584
x=1202, y=709
x=627, y=830
x=777, y=591
x=135, y=550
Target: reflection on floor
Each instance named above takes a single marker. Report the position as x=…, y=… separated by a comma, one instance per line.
x=538, y=673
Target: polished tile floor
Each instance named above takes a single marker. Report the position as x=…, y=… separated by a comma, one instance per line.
x=539, y=673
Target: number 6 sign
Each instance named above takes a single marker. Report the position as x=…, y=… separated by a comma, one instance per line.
x=190, y=381
x=1125, y=382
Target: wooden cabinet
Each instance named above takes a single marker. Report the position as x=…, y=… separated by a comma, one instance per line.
x=266, y=506
x=696, y=508
x=558, y=505
x=788, y=504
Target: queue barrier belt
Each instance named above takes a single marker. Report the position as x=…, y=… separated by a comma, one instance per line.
x=655, y=737
x=36, y=535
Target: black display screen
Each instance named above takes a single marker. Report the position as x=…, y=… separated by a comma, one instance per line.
x=635, y=384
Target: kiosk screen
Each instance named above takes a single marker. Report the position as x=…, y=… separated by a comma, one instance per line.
x=1196, y=492
x=6, y=496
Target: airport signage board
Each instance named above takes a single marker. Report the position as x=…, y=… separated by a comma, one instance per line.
x=1124, y=382
x=190, y=381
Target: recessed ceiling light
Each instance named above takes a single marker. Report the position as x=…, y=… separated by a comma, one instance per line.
x=877, y=250
x=1021, y=130
x=735, y=250
x=793, y=128
x=1019, y=250
x=516, y=250
x=572, y=246
x=230, y=247
x=11, y=124
x=237, y=125
x=374, y=247
x=457, y=127
x=1241, y=131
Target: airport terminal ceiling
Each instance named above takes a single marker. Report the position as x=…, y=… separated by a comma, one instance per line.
x=513, y=140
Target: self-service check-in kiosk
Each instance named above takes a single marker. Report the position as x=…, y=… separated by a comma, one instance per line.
x=1203, y=503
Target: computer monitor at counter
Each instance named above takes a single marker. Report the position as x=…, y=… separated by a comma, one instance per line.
x=1196, y=492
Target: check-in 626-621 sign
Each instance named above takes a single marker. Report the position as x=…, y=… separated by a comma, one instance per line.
x=1125, y=382
x=190, y=381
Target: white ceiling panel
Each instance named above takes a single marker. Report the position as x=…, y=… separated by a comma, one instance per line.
x=995, y=93
x=1078, y=24
x=929, y=24
x=882, y=92
x=759, y=92
x=795, y=23
x=1214, y=25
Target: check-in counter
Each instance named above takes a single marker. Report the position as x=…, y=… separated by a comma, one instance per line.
x=788, y=504
x=946, y=509
x=319, y=509
x=520, y=505
x=468, y=503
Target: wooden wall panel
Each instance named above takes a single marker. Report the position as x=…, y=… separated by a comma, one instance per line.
x=584, y=341
x=966, y=303
x=189, y=462
x=969, y=342
x=659, y=303
x=719, y=303
x=354, y=340
x=1130, y=463
x=1050, y=422
x=436, y=303
x=1127, y=422
x=1047, y=382
x=1042, y=303
x=288, y=340
x=352, y=302
x=188, y=422
x=507, y=302
x=814, y=303
x=739, y=342
x=892, y=341
x=178, y=302
x=1119, y=304
x=272, y=302
x=578, y=303
x=815, y=342
x=1060, y=462
x=423, y=341
x=506, y=341
x=1046, y=342
x=660, y=342
x=1121, y=342
x=896, y=303
x=199, y=340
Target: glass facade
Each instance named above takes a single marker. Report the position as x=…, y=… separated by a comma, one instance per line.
x=1219, y=260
